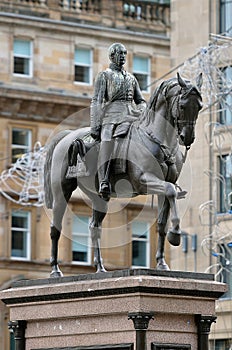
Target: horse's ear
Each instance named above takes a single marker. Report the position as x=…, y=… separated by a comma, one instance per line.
x=199, y=81
x=181, y=81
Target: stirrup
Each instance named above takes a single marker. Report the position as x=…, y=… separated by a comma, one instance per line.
x=105, y=190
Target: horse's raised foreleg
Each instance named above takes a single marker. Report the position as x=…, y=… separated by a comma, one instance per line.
x=174, y=233
x=154, y=185
x=163, y=208
x=95, y=230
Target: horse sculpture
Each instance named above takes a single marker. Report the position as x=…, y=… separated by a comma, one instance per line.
x=152, y=163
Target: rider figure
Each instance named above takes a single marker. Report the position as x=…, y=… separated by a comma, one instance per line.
x=117, y=100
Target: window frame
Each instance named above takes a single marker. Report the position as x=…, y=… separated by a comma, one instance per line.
x=139, y=239
x=81, y=234
x=141, y=72
x=222, y=187
x=225, y=275
x=30, y=58
x=28, y=235
x=90, y=66
x=223, y=15
x=225, y=115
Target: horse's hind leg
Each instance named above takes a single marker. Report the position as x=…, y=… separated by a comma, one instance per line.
x=163, y=208
x=96, y=230
x=61, y=199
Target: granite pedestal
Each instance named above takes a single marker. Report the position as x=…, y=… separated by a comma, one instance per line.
x=129, y=309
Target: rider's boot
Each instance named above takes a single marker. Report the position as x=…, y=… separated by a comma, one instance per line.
x=104, y=161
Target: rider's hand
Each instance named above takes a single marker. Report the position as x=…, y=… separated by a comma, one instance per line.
x=95, y=133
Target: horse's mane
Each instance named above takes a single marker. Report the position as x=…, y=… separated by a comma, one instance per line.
x=157, y=98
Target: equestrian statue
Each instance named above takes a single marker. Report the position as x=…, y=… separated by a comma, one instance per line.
x=127, y=140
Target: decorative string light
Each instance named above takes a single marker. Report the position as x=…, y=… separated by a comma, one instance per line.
x=23, y=182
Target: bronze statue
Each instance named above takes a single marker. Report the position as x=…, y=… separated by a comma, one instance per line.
x=117, y=101
x=152, y=165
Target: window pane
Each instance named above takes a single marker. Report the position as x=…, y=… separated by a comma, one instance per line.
x=83, y=56
x=21, y=143
x=139, y=229
x=22, y=47
x=81, y=247
x=21, y=65
x=139, y=253
x=19, y=234
x=81, y=224
x=19, y=244
x=82, y=74
x=19, y=221
x=141, y=64
x=20, y=137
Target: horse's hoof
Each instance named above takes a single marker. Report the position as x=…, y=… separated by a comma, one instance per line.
x=162, y=266
x=55, y=274
x=100, y=269
x=174, y=237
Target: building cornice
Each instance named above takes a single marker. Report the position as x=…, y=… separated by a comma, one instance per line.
x=89, y=29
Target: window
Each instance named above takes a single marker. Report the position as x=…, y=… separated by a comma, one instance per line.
x=226, y=105
x=140, y=244
x=225, y=256
x=83, y=66
x=222, y=344
x=141, y=70
x=21, y=143
x=225, y=187
x=81, y=244
x=225, y=16
x=20, y=234
x=22, y=57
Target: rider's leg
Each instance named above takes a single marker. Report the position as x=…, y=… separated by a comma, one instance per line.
x=104, y=159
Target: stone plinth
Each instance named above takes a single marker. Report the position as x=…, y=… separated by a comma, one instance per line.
x=88, y=310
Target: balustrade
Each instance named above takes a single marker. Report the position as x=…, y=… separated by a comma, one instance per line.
x=151, y=11
x=31, y=2
x=144, y=14
x=81, y=5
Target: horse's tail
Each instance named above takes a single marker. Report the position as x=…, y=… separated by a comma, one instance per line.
x=47, y=167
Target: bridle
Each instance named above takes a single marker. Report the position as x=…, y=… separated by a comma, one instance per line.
x=178, y=115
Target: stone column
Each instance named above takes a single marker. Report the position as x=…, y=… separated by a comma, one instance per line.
x=18, y=328
x=203, y=327
x=141, y=322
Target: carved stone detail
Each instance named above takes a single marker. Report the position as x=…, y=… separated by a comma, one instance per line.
x=141, y=319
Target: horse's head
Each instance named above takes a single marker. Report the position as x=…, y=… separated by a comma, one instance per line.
x=189, y=103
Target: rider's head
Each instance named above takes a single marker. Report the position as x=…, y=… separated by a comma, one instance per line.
x=117, y=54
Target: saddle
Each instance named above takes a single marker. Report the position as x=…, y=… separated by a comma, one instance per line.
x=77, y=166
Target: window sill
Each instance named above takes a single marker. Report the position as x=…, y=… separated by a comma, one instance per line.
x=81, y=263
x=82, y=83
x=224, y=216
